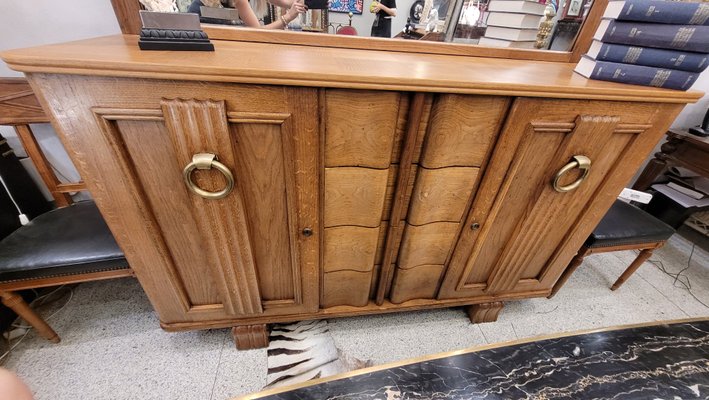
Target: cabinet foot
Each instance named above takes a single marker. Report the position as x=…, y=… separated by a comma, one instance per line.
x=485, y=312
x=249, y=337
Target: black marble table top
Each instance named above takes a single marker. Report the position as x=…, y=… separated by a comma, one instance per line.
x=668, y=361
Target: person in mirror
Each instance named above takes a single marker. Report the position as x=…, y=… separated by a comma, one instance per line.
x=384, y=11
x=251, y=16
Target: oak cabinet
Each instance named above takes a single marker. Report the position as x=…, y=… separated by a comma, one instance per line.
x=245, y=196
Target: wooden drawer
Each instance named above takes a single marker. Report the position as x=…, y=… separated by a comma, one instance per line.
x=362, y=130
x=361, y=127
x=419, y=282
x=355, y=196
x=462, y=128
x=441, y=194
x=346, y=288
x=426, y=244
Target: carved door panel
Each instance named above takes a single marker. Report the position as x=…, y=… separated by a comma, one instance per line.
x=247, y=253
x=522, y=230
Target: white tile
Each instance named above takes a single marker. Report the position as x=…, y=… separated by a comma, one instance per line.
x=115, y=349
x=392, y=337
x=674, y=257
x=240, y=372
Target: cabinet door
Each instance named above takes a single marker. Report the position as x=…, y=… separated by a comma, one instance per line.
x=521, y=231
x=202, y=259
x=461, y=131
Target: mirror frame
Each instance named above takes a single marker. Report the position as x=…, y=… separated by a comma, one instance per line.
x=127, y=14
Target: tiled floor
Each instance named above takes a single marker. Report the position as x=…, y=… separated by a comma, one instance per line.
x=113, y=348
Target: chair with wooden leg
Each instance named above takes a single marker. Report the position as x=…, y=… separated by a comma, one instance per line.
x=67, y=245
x=624, y=227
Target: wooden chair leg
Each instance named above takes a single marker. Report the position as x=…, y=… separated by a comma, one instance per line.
x=570, y=269
x=639, y=260
x=15, y=302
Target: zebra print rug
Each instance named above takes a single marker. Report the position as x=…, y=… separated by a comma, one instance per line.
x=303, y=351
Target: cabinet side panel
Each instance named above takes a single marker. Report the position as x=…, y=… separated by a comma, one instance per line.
x=103, y=165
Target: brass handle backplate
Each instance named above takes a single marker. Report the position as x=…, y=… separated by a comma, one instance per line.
x=581, y=162
x=207, y=161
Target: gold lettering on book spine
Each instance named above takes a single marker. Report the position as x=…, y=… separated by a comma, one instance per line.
x=682, y=37
x=660, y=77
x=700, y=16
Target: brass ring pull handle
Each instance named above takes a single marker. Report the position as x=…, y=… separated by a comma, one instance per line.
x=207, y=161
x=581, y=162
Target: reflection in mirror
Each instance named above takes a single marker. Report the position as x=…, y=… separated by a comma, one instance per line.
x=527, y=24
x=550, y=24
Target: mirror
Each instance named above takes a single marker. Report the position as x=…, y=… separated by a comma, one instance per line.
x=515, y=24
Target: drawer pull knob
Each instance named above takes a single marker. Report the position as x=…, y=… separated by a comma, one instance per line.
x=581, y=162
x=475, y=226
x=307, y=232
x=207, y=161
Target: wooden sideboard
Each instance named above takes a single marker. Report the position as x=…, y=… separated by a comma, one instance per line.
x=363, y=181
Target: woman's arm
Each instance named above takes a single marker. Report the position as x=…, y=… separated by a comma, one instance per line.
x=247, y=14
x=281, y=23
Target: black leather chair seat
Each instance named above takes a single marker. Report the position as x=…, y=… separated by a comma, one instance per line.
x=66, y=241
x=626, y=224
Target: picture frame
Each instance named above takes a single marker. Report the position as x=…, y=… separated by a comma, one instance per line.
x=574, y=8
x=347, y=6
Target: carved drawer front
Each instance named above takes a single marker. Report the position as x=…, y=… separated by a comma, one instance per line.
x=461, y=132
x=202, y=258
x=361, y=131
x=441, y=194
x=527, y=228
x=462, y=128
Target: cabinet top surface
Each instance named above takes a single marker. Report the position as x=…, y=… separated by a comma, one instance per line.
x=261, y=63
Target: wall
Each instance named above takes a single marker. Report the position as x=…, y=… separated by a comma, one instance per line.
x=37, y=22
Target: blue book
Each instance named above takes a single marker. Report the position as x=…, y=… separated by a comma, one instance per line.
x=677, y=37
x=659, y=12
x=649, y=57
x=635, y=74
